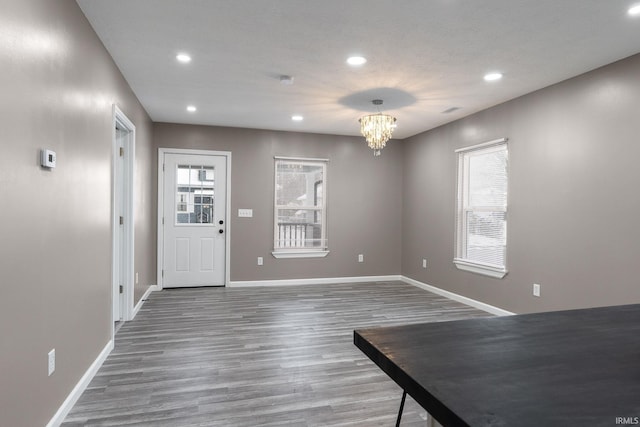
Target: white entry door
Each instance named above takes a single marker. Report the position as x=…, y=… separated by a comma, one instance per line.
x=194, y=215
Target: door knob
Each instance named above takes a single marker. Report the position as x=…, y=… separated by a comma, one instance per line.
x=221, y=231
x=221, y=222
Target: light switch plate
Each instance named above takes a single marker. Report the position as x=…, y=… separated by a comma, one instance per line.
x=245, y=213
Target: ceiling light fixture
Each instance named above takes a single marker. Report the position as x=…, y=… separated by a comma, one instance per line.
x=492, y=77
x=183, y=57
x=634, y=10
x=297, y=118
x=377, y=128
x=191, y=109
x=356, y=60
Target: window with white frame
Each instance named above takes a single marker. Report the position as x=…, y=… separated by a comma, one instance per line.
x=481, y=209
x=300, y=208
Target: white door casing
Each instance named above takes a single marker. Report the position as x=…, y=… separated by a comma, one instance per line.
x=120, y=258
x=123, y=147
x=193, y=218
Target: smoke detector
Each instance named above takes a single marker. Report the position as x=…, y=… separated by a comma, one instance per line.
x=286, y=80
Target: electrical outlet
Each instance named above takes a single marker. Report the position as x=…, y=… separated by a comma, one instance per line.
x=360, y=258
x=424, y=263
x=260, y=260
x=51, y=361
x=536, y=290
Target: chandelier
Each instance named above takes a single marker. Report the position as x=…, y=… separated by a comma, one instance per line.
x=377, y=128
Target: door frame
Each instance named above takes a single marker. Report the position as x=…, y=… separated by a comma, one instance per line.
x=128, y=174
x=227, y=240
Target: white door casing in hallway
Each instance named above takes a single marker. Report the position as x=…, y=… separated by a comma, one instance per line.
x=122, y=269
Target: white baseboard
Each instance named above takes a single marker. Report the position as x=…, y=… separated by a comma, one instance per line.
x=138, y=306
x=82, y=385
x=77, y=391
x=321, y=281
x=456, y=297
x=361, y=279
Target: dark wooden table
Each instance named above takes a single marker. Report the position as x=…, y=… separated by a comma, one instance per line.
x=566, y=368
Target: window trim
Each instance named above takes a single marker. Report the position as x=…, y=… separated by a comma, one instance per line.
x=320, y=252
x=299, y=253
x=490, y=270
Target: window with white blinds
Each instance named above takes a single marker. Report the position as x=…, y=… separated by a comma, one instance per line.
x=481, y=208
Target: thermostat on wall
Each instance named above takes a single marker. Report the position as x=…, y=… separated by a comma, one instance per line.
x=48, y=158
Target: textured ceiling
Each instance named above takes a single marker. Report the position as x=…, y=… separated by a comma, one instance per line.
x=424, y=56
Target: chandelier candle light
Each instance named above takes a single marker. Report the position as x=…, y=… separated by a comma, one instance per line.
x=377, y=128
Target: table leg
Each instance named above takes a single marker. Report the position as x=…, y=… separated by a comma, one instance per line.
x=404, y=396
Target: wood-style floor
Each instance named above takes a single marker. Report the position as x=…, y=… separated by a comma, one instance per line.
x=270, y=356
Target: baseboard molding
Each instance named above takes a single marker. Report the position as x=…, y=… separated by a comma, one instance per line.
x=321, y=281
x=456, y=297
x=82, y=385
x=361, y=279
x=77, y=391
x=138, y=306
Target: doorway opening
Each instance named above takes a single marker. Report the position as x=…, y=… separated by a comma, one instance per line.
x=122, y=268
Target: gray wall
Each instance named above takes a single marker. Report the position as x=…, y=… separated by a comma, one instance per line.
x=364, y=199
x=572, y=218
x=57, y=88
x=573, y=195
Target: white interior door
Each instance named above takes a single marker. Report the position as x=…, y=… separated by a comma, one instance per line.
x=194, y=220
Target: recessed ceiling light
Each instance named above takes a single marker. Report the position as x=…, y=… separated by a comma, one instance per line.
x=492, y=77
x=634, y=10
x=297, y=118
x=356, y=60
x=191, y=109
x=183, y=57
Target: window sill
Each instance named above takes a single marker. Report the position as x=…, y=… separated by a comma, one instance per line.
x=485, y=270
x=299, y=254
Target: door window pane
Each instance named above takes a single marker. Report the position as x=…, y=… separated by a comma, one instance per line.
x=195, y=194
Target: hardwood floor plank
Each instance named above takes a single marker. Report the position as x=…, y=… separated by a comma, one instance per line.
x=277, y=356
